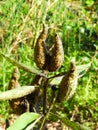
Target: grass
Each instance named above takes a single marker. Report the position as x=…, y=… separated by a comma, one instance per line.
x=20, y=24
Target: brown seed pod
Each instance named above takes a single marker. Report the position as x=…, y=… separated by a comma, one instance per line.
x=14, y=79
x=39, y=50
x=20, y=105
x=57, y=55
x=68, y=84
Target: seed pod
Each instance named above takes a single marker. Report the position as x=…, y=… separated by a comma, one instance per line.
x=20, y=105
x=57, y=56
x=39, y=50
x=68, y=84
x=14, y=79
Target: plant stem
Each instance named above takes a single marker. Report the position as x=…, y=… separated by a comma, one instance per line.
x=44, y=94
x=50, y=107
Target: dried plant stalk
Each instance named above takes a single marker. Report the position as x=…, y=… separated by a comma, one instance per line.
x=68, y=84
x=57, y=56
x=39, y=50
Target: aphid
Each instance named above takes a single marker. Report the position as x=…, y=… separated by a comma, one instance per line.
x=39, y=50
x=57, y=55
x=68, y=84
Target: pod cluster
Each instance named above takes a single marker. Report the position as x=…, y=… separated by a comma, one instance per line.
x=48, y=59
x=68, y=84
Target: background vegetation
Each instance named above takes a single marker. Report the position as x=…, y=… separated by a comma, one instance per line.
x=76, y=22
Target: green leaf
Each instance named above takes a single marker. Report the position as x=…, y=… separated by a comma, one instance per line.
x=22, y=66
x=17, y=92
x=74, y=125
x=71, y=124
x=56, y=80
x=24, y=120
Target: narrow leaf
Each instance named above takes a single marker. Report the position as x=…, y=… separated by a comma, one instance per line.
x=17, y=92
x=56, y=80
x=22, y=66
x=24, y=120
x=73, y=125
x=83, y=67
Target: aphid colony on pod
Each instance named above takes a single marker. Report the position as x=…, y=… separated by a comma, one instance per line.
x=48, y=59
